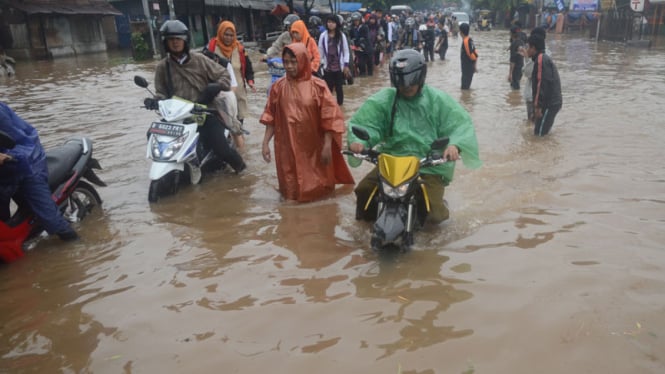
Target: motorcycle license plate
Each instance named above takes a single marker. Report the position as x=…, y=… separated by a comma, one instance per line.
x=169, y=129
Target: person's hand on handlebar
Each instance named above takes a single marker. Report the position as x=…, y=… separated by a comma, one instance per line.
x=151, y=103
x=451, y=153
x=356, y=147
x=4, y=158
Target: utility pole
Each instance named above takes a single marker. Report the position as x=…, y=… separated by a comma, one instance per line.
x=171, y=10
x=148, y=17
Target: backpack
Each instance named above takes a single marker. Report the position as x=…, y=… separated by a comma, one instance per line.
x=214, y=56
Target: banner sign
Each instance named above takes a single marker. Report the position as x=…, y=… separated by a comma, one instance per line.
x=584, y=5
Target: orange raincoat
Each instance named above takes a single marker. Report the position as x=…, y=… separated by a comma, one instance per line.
x=302, y=110
x=309, y=42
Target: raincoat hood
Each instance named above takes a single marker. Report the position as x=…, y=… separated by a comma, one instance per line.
x=301, y=28
x=304, y=66
x=28, y=151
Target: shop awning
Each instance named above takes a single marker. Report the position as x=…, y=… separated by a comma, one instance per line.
x=350, y=7
x=246, y=4
x=65, y=7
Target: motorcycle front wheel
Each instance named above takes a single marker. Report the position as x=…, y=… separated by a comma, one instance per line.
x=153, y=191
x=166, y=185
x=81, y=202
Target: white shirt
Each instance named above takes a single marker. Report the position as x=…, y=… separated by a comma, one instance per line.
x=234, y=82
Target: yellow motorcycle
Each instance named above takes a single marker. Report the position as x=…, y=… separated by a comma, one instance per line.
x=402, y=199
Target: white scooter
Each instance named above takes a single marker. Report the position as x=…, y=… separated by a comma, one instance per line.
x=173, y=142
x=7, y=65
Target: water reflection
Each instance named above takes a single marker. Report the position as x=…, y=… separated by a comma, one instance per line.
x=420, y=295
x=309, y=232
x=34, y=335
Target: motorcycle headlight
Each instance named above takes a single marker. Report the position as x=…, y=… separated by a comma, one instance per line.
x=166, y=150
x=395, y=192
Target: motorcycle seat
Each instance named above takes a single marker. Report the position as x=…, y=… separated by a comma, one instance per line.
x=61, y=160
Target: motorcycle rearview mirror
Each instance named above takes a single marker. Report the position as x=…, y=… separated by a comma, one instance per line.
x=361, y=133
x=6, y=141
x=140, y=81
x=209, y=93
x=440, y=144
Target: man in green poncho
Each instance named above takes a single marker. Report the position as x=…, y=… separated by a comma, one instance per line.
x=407, y=119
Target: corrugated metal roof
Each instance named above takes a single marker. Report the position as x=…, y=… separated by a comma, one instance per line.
x=253, y=4
x=65, y=7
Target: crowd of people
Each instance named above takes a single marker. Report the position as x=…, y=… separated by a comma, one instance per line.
x=303, y=120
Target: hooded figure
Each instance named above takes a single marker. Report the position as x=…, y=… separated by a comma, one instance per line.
x=26, y=179
x=299, y=33
x=307, y=125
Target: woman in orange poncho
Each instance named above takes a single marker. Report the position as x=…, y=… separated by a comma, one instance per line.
x=307, y=125
x=299, y=33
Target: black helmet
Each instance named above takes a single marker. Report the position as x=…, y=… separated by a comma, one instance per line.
x=288, y=20
x=174, y=29
x=355, y=16
x=315, y=21
x=408, y=68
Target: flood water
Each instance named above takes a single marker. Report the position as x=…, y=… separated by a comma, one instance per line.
x=553, y=260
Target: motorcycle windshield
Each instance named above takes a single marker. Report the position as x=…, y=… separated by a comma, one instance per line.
x=398, y=169
x=175, y=109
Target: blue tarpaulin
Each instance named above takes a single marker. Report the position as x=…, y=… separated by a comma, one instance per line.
x=349, y=7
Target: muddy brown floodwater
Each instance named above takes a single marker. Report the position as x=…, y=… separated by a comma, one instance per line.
x=553, y=260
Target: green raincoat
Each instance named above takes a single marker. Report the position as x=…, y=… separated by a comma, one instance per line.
x=420, y=120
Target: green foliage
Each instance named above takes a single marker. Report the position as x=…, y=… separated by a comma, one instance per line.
x=381, y=4
x=140, y=47
x=500, y=5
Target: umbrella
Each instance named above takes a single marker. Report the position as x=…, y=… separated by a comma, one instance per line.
x=280, y=10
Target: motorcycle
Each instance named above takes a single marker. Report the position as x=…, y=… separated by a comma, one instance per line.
x=275, y=69
x=68, y=165
x=173, y=142
x=401, y=197
x=483, y=24
x=7, y=64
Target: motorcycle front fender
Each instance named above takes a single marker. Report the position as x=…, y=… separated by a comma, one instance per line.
x=391, y=222
x=160, y=169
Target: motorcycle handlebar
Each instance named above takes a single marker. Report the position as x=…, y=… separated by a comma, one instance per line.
x=369, y=155
x=372, y=156
x=200, y=110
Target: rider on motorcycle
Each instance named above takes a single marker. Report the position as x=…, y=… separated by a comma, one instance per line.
x=283, y=39
x=185, y=74
x=24, y=176
x=315, y=27
x=407, y=119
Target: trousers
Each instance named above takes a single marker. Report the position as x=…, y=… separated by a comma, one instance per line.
x=433, y=184
x=33, y=191
x=212, y=136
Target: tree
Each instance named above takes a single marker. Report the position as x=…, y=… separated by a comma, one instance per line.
x=381, y=4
